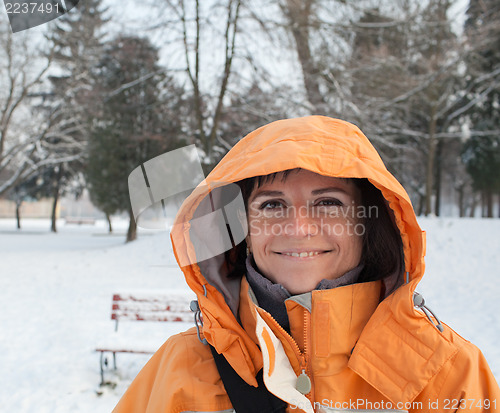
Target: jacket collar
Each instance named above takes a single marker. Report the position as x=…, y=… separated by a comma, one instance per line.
x=394, y=348
x=271, y=296
x=399, y=350
x=338, y=316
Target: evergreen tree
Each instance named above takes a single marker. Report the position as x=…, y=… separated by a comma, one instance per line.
x=482, y=156
x=137, y=119
x=482, y=152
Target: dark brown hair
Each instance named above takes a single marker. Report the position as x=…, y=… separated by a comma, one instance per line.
x=382, y=254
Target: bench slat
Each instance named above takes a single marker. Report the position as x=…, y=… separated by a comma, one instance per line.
x=150, y=307
x=166, y=307
x=117, y=349
x=141, y=316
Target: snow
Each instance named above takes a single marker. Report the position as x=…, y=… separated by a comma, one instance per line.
x=56, y=290
x=462, y=279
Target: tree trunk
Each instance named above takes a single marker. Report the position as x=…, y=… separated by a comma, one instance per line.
x=483, y=204
x=421, y=203
x=230, y=40
x=438, y=166
x=132, y=227
x=57, y=190
x=489, y=203
x=299, y=13
x=498, y=205
x=430, y=166
x=473, y=206
x=18, y=214
x=461, y=206
x=110, y=228
x=53, y=225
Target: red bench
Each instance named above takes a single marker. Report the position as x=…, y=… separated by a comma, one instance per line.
x=153, y=306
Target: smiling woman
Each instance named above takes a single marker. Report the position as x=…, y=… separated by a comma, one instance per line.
x=316, y=307
x=295, y=228
x=301, y=222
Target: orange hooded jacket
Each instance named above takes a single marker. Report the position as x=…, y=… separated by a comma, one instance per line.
x=360, y=353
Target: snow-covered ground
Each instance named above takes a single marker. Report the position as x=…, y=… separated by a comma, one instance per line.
x=55, y=292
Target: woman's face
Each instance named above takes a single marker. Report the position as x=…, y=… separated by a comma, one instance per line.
x=305, y=229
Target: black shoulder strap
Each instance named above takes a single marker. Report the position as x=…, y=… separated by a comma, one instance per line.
x=246, y=398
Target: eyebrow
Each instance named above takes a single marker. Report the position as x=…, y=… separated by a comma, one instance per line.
x=266, y=193
x=319, y=191
x=329, y=189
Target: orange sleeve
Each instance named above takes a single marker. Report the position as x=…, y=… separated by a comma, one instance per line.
x=470, y=385
x=181, y=376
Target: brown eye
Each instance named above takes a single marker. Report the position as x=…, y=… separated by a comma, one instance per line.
x=272, y=204
x=329, y=202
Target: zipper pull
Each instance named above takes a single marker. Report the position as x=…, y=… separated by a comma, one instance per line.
x=303, y=384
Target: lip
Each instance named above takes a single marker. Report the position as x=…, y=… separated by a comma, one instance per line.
x=302, y=253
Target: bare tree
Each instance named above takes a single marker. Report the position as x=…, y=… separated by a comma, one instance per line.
x=22, y=72
x=200, y=38
x=407, y=77
x=77, y=42
x=301, y=22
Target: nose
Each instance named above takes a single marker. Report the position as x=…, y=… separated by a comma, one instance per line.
x=301, y=224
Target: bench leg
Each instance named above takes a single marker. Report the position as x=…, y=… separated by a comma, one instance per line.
x=104, y=362
x=102, y=368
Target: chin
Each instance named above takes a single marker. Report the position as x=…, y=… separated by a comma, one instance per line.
x=299, y=288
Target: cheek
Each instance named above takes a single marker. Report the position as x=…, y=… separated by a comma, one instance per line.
x=254, y=228
x=348, y=233
x=256, y=238
x=358, y=247
x=356, y=240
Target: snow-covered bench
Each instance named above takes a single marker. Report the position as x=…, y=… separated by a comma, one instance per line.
x=153, y=306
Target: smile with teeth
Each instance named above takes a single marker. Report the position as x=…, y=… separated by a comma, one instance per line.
x=302, y=254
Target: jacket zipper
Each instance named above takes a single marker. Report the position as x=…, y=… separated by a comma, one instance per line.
x=307, y=317
x=302, y=356
x=298, y=353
